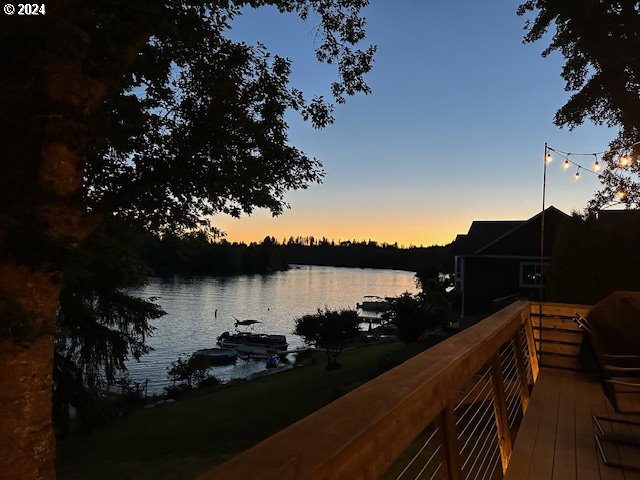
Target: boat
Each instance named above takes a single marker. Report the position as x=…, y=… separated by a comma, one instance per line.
x=245, y=323
x=257, y=345
x=372, y=303
x=218, y=356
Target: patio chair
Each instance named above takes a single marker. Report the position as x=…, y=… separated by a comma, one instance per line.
x=613, y=330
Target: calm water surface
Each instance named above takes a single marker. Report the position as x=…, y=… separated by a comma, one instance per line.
x=201, y=308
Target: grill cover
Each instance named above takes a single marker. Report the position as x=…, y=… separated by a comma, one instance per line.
x=615, y=321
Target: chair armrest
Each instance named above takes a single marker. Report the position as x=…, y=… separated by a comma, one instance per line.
x=616, y=368
x=621, y=357
x=624, y=383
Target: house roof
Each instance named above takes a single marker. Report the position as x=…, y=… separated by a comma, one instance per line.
x=524, y=239
x=507, y=237
x=482, y=233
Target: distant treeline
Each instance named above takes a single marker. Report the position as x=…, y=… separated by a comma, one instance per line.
x=370, y=254
x=196, y=254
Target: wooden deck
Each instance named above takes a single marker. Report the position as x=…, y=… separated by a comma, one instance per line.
x=556, y=438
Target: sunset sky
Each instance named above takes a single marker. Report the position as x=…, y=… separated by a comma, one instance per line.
x=454, y=130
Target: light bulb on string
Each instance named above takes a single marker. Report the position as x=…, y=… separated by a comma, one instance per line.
x=624, y=161
x=566, y=164
x=596, y=164
x=576, y=177
x=548, y=158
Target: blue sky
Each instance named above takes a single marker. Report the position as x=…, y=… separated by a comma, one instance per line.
x=453, y=131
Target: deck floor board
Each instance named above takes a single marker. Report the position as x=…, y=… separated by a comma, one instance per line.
x=556, y=437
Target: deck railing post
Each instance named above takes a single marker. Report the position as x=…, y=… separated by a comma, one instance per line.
x=531, y=346
x=500, y=412
x=449, y=441
x=523, y=382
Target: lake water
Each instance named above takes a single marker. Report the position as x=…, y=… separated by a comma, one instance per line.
x=199, y=309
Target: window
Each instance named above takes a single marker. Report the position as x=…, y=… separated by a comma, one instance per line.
x=531, y=275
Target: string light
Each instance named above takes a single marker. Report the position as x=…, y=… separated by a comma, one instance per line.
x=596, y=164
x=624, y=161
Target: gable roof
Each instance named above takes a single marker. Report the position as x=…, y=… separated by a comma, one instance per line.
x=482, y=233
x=524, y=239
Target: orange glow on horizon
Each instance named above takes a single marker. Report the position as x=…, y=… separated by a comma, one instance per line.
x=406, y=227
x=405, y=234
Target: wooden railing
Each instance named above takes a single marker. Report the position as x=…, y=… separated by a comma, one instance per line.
x=558, y=337
x=451, y=412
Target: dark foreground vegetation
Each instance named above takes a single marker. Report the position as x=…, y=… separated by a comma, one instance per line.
x=182, y=439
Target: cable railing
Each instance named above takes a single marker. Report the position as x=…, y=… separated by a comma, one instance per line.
x=423, y=463
x=451, y=412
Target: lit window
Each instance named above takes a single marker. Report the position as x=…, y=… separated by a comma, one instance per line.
x=530, y=275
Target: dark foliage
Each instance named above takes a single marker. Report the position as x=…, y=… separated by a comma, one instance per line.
x=415, y=314
x=189, y=374
x=99, y=324
x=330, y=330
x=171, y=121
x=196, y=254
x=197, y=123
x=601, y=46
x=370, y=254
x=148, y=112
x=593, y=258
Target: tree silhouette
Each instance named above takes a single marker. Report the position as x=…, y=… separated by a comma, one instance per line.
x=330, y=330
x=144, y=110
x=601, y=46
x=414, y=314
x=592, y=258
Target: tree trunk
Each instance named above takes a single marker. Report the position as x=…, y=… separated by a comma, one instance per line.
x=29, y=294
x=27, y=449
x=27, y=446
x=46, y=98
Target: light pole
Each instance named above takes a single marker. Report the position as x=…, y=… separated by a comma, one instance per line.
x=546, y=159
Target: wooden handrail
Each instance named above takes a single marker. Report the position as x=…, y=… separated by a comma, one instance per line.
x=362, y=433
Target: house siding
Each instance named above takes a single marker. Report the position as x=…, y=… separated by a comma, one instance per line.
x=492, y=279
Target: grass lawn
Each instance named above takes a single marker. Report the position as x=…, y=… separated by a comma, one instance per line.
x=182, y=439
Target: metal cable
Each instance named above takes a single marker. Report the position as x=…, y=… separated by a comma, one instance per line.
x=479, y=382
x=494, y=450
x=477, y=411
x=461, y=402
x=471, y=469
x=495, y=465
x=487, y=424
x=433, y=475
x=427, y=463
x=418, y=453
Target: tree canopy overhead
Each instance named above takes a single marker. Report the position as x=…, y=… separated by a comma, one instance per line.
x=147, y=111
x=189, y=123
x=600, y=41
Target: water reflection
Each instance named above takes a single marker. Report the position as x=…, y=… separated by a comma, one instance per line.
x=199, y=309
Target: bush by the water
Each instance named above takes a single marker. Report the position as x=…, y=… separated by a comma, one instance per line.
x=329, y=330
x=189, y=374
